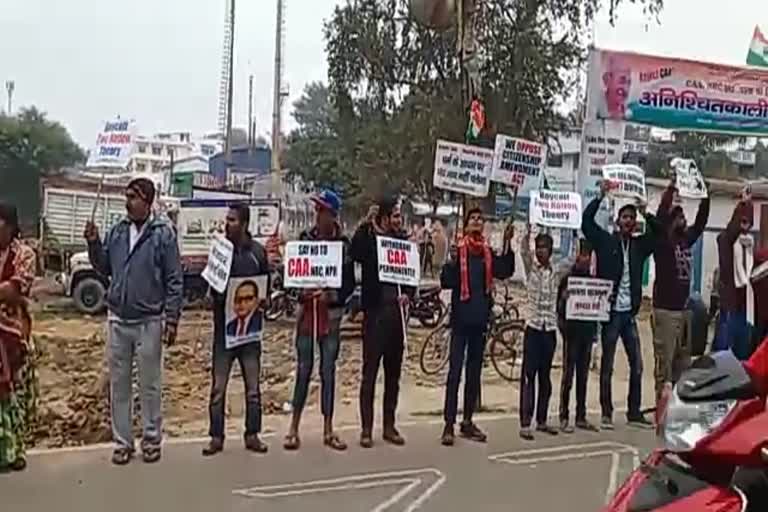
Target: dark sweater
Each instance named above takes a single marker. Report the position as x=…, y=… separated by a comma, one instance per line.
x=475, y=312
x=364, y=251
x=731, y=298
x=673, y=257
x=573, y=329
x=610, y=260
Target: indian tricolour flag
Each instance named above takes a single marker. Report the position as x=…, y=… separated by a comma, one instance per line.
x=758, y=50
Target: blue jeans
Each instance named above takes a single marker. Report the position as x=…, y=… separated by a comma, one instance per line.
x=249, y=357
x=329, y=352
x=622, y=324
x=733, y=334
x=471, y=341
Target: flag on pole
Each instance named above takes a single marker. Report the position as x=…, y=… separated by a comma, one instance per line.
x=758, y=50
x=476, y=120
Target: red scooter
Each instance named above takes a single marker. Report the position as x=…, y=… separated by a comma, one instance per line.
x=713, y=428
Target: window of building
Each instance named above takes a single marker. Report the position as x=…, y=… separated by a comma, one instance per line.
x=157, y=150
x=555, y=160
x=141, y=166
x=142, y=148
x=156, y=166
x=576, y=160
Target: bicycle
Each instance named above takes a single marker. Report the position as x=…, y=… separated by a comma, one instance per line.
x=505, y=337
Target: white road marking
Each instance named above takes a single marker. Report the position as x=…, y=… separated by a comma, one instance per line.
x=613, y=476
x=408, y=480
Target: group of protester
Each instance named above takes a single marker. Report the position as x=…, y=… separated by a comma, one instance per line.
x=140, y=256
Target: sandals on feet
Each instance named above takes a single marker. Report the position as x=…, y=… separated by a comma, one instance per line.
x=150, y=453
x=122, y=456
x=292, y=442
x=333, y=441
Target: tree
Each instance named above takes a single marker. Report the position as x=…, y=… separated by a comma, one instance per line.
x=398, y=83
x=31, y=141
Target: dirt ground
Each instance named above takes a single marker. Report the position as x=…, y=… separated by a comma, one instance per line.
x=73, y=408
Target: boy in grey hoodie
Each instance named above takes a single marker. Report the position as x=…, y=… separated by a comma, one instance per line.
x=140, y=255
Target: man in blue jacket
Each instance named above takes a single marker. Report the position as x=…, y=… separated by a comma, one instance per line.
x=140, y=255
x=620, y=258
x=469, y=275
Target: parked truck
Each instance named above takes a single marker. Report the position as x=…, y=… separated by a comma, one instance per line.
x=197, y=222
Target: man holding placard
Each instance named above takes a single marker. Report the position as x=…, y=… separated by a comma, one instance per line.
x=384, y=305
x=237, y=331
x=323, y=267
x=620, y=259
x=672, y=287
x=140, y=255
x=542, y=283
x=470, y=274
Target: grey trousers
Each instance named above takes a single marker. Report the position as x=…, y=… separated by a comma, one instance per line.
x=143, y=339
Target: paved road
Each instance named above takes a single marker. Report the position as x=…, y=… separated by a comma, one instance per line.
x=571, y=473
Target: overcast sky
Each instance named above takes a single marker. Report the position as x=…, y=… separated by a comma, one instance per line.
x=159, y=61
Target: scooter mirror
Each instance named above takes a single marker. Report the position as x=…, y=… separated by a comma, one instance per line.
x=764, y=454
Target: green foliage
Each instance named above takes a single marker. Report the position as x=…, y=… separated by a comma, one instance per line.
x=395, y=87
x=29, y=141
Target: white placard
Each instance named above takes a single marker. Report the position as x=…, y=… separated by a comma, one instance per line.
x=518, y=163
x=555, y=209
x=626, y=180
x=399, y=261
x=688, y=179
x=588, y=299
x=462, y=168
x=313, y=264
x=216, y=271
x=244, y=310
x=602, y=143
x=114, y=145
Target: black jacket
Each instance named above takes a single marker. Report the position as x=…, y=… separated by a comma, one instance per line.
x=347, y=268
x=610, y=259
x=474, y=313
x=365, y=252
x=573, y=329
x=248, y=259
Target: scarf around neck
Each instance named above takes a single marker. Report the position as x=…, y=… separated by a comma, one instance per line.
x=743, y=262
x=474, y=245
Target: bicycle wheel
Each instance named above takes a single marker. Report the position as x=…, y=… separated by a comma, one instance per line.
x=511, y=312
x=435, y=350
x=506, y=351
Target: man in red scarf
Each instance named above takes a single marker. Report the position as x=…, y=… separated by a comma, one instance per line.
x=469, y=274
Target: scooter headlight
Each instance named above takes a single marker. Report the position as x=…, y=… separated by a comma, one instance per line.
x=687, y=423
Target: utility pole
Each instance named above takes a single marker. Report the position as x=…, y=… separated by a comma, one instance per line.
x=251, y=127
x=277, y=99
x=10, y=86
x=230, y=87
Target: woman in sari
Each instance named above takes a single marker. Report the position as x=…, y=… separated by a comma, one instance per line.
x=17, y=377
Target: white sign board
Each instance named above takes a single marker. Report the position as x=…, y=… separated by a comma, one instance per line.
x=518, y=163
x=602, y=143
x=399, y=261
x=588, y=299
x=462, y=168
x=244, y=310
x=313, y=264
x=626, y=180
x=555, y=209
x=216, y=271
x=688, y=179
x=114, y=145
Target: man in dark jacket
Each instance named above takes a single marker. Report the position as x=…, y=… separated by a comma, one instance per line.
x=736, y=292
x=320, y=315
x=578, y=337
x=383, y=335
x=140, y=255
x=469, y=275
x=674, y=267
x=620, y=258
x=249, y=259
